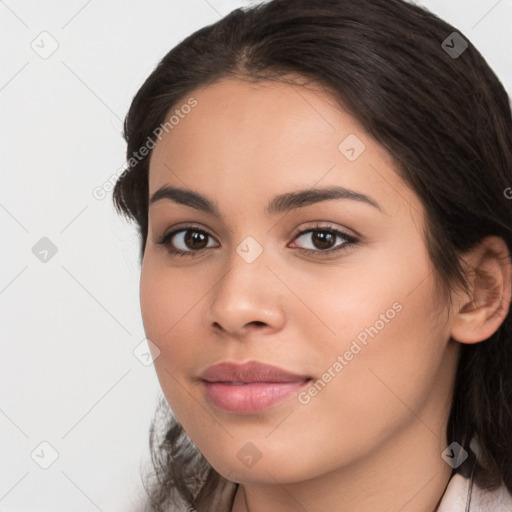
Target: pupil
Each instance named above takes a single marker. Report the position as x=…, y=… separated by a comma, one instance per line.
x=191, y=237
x=323, y=239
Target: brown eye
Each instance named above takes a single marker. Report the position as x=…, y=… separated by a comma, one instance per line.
x=186, y=241
x=195, y=239
x=323, y=240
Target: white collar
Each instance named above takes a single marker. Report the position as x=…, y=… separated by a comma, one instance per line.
x=456, y=497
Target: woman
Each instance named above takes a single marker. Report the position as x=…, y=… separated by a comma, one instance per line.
x=322, y=191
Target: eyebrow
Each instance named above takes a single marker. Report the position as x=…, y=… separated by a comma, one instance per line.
x=279, y=204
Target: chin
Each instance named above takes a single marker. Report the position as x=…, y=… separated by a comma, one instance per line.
x=266, y=470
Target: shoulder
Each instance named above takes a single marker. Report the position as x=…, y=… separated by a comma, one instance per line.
x=491, y=501
x=456, y=497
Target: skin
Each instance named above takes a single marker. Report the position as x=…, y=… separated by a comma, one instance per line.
x=372, y=438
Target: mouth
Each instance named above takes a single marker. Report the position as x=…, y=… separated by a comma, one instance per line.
x=249, y=388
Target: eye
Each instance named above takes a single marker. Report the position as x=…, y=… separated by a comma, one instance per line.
x=189, y=239
x=322, y=239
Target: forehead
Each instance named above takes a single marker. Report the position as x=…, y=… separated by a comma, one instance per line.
x=266, y=137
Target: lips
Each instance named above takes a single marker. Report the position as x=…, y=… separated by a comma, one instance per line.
x=252, y=371
x=249, y=388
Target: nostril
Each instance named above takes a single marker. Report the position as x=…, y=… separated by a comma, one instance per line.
x=257, y=322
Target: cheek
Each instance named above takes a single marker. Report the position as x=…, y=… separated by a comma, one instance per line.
x=376, y=389
x=387, y=339
x=167, y=299
x=376, y=295
x=388, y=353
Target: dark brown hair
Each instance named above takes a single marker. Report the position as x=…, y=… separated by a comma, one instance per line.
x=445, y=119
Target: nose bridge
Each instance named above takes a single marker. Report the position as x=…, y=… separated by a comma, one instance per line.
x=246, y=293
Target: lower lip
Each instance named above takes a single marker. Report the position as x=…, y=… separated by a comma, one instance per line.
x=250, y=398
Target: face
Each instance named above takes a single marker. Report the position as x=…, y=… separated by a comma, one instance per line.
x=339, y=291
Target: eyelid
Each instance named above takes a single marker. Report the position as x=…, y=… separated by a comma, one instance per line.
x=320, y=225
x=183, y=227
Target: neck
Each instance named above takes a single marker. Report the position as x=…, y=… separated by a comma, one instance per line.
x=407, y=473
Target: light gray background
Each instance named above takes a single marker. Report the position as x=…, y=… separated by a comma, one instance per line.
x=69, y=376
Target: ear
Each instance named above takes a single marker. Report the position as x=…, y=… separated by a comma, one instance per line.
x=489, y=271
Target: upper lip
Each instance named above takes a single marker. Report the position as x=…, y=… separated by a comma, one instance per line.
x=252, y=371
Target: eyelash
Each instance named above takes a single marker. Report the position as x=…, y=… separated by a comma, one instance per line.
x=350, y=241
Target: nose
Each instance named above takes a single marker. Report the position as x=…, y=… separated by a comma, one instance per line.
x=248, y=298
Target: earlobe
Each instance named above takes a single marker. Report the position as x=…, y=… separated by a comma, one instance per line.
x=489, y=270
